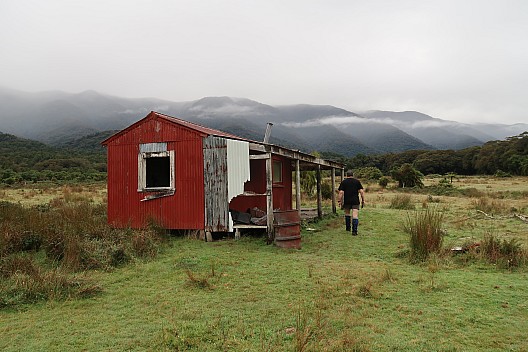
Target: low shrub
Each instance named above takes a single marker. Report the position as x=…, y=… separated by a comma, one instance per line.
x=326, y=190
x=471, y=192
x=69, y=235
x=20, y=263
x=145, y=244
x=29, y=283
x=500, y=173
x=384, y=181
x=402, y=201
x=505, y=253
x=488, y=206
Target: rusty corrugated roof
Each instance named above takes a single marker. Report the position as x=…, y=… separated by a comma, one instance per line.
x=193, y=126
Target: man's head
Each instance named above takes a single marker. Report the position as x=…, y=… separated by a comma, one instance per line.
x=349, y=173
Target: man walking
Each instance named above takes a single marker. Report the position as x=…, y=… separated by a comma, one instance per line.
x=349, y=191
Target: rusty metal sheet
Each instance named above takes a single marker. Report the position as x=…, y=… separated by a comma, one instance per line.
x=287, y=226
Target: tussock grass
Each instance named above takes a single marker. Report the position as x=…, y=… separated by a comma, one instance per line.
x=24, y=281
x=425, y=230
x=69, y=235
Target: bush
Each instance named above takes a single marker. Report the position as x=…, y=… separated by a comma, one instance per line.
x=308, y=182
x=368, y=173
x=407, y=176
x=425, y=232
x=505, y=253
x=326, y=190
x=500, y=173
x=145, y=244
x=384, y=181
x=402, y=201
x=490, y=206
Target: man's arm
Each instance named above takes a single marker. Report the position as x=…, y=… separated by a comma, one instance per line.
x=362, y=193
x=340, y=197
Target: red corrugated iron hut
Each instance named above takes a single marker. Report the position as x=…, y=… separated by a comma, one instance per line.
x=188, y=177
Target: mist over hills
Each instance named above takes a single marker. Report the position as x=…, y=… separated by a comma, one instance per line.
x=60, y=119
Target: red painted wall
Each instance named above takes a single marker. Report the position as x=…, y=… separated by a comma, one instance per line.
x=282, y=191
x=183, y=210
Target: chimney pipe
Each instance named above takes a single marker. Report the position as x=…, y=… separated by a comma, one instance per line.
x=268, y=132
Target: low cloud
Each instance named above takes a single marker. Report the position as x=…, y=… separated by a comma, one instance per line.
x=428, y=124
x=133, y=111
x=331, y=120
x=351, y=120
x=227, y=109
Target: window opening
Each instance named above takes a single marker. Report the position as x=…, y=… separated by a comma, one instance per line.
x=277, y=171
x=158, y=172
x=155, y=168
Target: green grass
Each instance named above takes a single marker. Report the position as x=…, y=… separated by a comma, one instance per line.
x=339, y=293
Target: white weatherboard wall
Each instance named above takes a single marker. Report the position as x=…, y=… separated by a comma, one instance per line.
x=237, y=170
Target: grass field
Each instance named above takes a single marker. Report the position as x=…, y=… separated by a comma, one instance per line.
x=339, y=293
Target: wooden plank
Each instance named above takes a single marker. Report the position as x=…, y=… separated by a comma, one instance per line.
x=298, y=186
x=258, y=156
x=319, y=194
x=334, y=208
x=249, y=226
x=294, y=154
x=252, y=194
x=269, y=197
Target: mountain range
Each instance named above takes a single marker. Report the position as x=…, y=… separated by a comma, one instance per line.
x=60, y=119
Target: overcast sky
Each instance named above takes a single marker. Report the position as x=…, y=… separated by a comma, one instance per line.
x=463, y=60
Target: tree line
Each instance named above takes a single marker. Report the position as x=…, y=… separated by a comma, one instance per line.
x=508, y=156
x=23, y=161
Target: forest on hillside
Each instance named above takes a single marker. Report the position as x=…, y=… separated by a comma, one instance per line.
x=508, y=156
x=27, y=161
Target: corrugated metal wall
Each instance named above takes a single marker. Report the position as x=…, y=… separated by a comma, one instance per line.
x=184, y=209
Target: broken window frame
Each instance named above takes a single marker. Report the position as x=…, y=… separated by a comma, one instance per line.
x=142, y=171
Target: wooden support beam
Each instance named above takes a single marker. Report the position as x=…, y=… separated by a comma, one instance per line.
x=269, y=197
x=298, y=186
x=334, y=208
x=319, y=195
x=293, y=154
x=258, y=156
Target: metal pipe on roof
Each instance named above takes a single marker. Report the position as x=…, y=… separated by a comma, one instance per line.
x=268, y=132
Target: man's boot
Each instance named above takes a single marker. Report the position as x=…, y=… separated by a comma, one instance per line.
x=347, y=222
x=355, y=223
